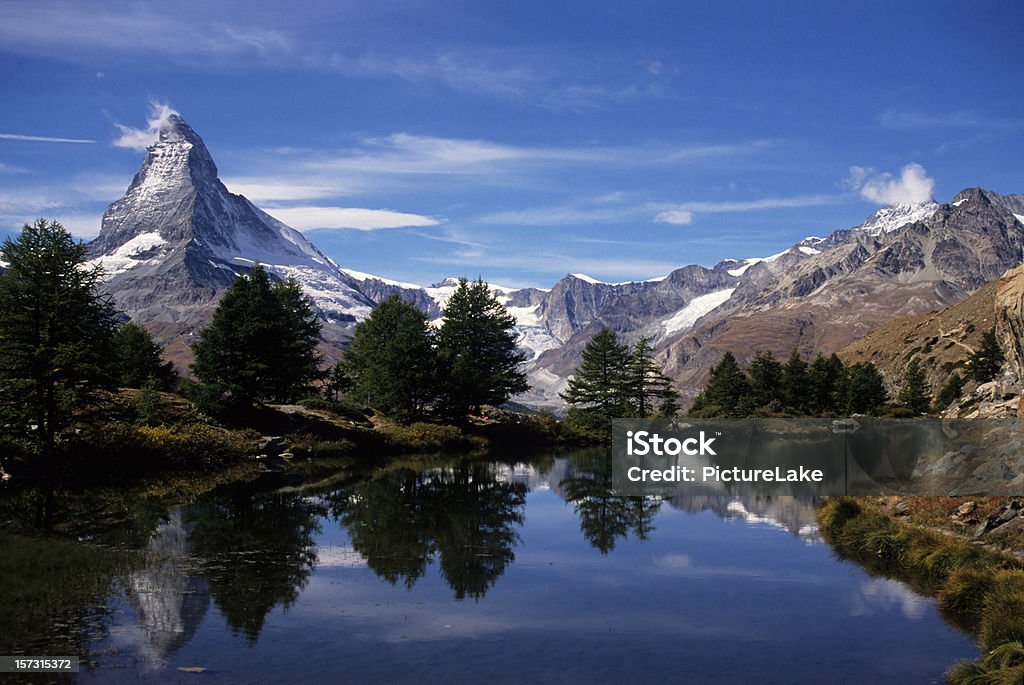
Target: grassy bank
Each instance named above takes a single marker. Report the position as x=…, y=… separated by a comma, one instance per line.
x=982, y=589
x=45, y=593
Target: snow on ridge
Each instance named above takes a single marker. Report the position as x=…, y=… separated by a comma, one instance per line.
x=1020, y=218
x=362, y=276
x=588, y=279
x=809, y=250
x=961, y=201
x=888, y=219
x=125, y=257
x=696, y=308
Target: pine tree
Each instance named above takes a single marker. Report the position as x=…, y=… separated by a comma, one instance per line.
x=726, y=387
x=949, y=392
x=392, y=361
x=55, y=334
x=864, y=389
x=261, y=344
x=796, y=389
x=337, y=382
x=478, y=349
x=598, y=386
x=915, y=395
x=987, y=361
x=826, y=377
x=648, y=390
x=137, y=359
x=765, y=373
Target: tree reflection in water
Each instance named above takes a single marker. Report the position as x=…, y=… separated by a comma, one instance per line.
x=258, y=553
x=461, y=513
x=604, y=516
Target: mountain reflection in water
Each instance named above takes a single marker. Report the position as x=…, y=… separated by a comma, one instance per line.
x=382, y=577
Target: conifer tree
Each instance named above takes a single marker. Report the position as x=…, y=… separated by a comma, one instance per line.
x=864, y=390
x=949, y=392
x=648, y=390
x=599, y=384
x=55, y=337
x=765, y=374
x=478, y=349
x=825, y=377
x=796, y=390
x=914, y=395
x=392, y=361
x=726, y=386
x=987, y=361
x=137, y=359
x=261, y=344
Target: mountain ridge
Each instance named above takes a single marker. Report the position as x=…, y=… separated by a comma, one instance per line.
x=177, y=239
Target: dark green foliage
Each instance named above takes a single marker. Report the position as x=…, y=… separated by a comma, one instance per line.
x=950, y=392
x=826, y=386
x=55, y=331
x=648, y=391
x=796, y=387
x=915, y=395
x=726, y=386
x=864, y=390
x=765, y=374
x=337, y=383
x=261, y=345
x=987, y=361
x=392, y=361
x=599, y=385
x=826, y=378
x=478, y=351
x=137, y=359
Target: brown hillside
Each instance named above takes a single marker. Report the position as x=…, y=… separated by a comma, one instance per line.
x=941, y=340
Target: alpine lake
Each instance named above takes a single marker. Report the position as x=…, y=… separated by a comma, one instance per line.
x=447, y=570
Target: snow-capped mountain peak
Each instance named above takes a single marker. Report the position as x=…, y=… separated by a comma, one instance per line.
x=888, y=219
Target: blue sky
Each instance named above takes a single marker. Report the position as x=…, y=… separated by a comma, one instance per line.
x=521, y=141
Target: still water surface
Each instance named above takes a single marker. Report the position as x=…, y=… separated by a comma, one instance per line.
x=494, y=572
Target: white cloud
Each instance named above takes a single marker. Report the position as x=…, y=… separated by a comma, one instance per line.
x=43, y=139
x=912, y=187
x=679, y=217
x=139, y=139
x=304, y=218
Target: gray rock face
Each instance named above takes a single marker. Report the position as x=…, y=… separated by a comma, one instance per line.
x=177, y=239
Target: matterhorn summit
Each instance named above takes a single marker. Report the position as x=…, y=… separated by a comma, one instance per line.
x=178, y=238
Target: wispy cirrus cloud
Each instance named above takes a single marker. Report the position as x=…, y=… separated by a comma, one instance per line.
x=900, y=119
x=44, y=139
x=118, y=28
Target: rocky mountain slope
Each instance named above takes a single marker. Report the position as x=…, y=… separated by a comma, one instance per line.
x=177, y=239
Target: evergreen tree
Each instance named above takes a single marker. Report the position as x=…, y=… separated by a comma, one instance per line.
x=796, y=389
x=648, y=390
x=55, y=333
x=726, y=386
x=599, y=385
x=478, y=349
x=915, y=395
x=392, y=361
x=949, y=393
x=137, y=359
x=987, y=361
x=55, y=329
x=825, y=377
x=765, y=373
x=261, y=344
x=864, y=390
x=338, y=382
